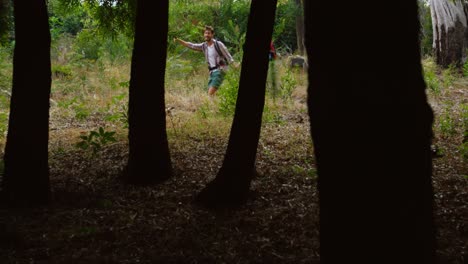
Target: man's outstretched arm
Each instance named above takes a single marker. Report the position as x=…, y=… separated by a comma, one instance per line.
x=189, y=45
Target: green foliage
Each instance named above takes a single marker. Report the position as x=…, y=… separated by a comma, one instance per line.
x=432, y=81
x=464, y=116
x=6, y=22
x=6, y=74
x=271, y=115
x=465, y=69
x=178, y=67
x=231, y=21
x=117, y=48
x=3, y=123
x=204, y=110
x=228, y=17
x=284, y=33
x=87, y=45
x=449, y=76
x=426, y=31
x=287, y=85
x=81, y=111
x=65, y=19
x=6, y=69
x=447, y=123
x=110, y=17
x=436, y=78
x=228, y=92
x=95, y=140
x=234, y=37
x=61, y=71
x=121, y=114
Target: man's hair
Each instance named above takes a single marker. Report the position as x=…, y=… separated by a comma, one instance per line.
x=210, y=28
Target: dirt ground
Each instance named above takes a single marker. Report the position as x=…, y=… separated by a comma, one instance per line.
x=94, y=218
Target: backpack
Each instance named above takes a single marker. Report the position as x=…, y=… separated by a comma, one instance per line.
x=223, y=61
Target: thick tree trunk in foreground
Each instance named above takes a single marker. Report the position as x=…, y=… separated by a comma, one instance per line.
x=26, y=179
x=371, y=129
x=149, y=157
x=232, y=183
x=449, y=23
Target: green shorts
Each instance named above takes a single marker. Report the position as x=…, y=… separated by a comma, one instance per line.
x=216, y=78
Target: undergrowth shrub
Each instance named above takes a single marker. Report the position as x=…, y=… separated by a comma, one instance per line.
x=228, y=92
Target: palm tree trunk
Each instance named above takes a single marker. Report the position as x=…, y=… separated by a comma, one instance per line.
x=26, y=179
x=233, y=180
x=149, y=157
x=371, y=129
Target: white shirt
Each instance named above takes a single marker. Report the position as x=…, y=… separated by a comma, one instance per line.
x=212, y=55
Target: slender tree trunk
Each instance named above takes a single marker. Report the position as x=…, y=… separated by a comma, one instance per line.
x=149, y=157
x=371, y=129
x=26, y=179
x=449, y=23
x=300, y=28
x=232, y=183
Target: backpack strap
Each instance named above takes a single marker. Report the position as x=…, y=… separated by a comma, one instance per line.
x=220, y=53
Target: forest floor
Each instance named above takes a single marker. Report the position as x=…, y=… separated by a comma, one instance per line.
x=95, y=218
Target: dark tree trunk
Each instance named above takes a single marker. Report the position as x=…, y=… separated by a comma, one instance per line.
x=450, y=31
x=26, y=179
x=300, y=28
x=232, y=183
x=371, y=129
x=149, y=157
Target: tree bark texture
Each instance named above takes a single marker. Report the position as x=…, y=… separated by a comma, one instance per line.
x=450, y=31
x=371, y=127
x=26, y=179
x=233, y=180
x=149, y=157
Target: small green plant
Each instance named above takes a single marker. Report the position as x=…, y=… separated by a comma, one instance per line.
x=464, y=115
x=204, y=110
x=464, y=150
x=95, y=140
x=288, y=84
x=432, y=81
x=446, y=124
x=228, y=93
x=465, y=69
x=81, y=111
x=448, y=76
x=271, y=115
x=118, y=109
x=3, y=123
x=61, y=71
x=120, y=116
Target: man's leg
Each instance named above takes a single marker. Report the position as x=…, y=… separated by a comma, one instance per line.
x=212, y=90
x=216, y=79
